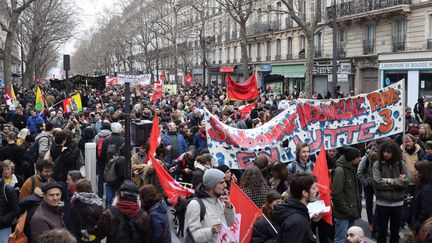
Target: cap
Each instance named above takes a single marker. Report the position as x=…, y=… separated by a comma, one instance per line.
x=408, y=108
x=212, y=177
x=351, y=153
x=116, y=127
x=51, y=185
x=223, y=168
x=130, y=190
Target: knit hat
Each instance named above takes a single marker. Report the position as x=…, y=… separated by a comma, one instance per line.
x=414, y=131
x=130, y=190
x=223, y=168
x=351, y=153
x=212, y=177
x=116, y=127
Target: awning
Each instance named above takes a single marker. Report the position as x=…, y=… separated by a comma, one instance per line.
x=295, y=70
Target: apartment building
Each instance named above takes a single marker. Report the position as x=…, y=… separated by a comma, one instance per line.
x=378, y=42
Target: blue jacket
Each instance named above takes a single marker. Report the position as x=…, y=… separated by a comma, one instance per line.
x=160, y=226
x=199, y=142
x=181, y=142
x=32, y=121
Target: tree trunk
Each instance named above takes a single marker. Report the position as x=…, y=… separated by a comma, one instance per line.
x=175, y=46
x=310, y=55
x=7, y=55
x=27, y=78
x=244, y=54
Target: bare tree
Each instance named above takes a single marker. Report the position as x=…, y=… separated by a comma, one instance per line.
x=14, y=10
x=47, y=26
x=310, y=26
x=240, y=11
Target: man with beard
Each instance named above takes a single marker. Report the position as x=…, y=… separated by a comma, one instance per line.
x=293, y=216
x=213, y=194
x=44, y=170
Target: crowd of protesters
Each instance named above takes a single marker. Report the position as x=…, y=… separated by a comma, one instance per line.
x=42, y=154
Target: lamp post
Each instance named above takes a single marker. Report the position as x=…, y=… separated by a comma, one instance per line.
x=334, y=60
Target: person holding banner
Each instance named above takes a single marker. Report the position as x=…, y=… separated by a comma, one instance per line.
x=219, y=210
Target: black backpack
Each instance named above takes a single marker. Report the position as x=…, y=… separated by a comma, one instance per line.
x=180, y=211
x=32, y=154
x=127, y=231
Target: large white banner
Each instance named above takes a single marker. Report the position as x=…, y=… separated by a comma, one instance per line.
x=135, y=80
x=333, y=123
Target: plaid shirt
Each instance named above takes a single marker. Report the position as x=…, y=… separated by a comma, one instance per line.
x=258, y=197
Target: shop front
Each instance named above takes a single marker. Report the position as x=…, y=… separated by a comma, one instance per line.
x=322, y=78
x=293, y=75
x=263, y=70
x=214, y=75
x=417, y=74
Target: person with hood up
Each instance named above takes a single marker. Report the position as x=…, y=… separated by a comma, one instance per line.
x=292, y=215
x=214, y=196
x=345, y=192
x=98, y=140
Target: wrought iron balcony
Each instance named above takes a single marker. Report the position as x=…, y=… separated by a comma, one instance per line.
x=264, y=27
x=398, y=46
x=228, y=61
x=368, y=48
x=318, y=53
x=429, y=43
x=289, y=56
x=362, y=6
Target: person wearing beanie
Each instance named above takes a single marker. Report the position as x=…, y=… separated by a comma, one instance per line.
x=214, y=196
x=229, y=176
x=345, y=192
x=409, y=119
x=125, y=209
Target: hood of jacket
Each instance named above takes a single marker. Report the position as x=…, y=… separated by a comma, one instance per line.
x=104, y=133
x=289, y=207
x=343, y=163
x=159, y=207
x=200, y=192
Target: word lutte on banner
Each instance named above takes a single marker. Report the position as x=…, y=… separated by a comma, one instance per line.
x=242, y=91
x=334, y=123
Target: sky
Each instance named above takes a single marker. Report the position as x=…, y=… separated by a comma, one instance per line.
x=89, y=12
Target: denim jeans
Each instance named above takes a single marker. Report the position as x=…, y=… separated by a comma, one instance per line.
x=384, y=215
x=341, y=228
x=109, y=195
x=4, y=234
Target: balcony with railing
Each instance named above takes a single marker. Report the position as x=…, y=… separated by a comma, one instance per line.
x=368, y=48
x=289, y=56
x=362, y=6
x=264, y=27
x=429, y=43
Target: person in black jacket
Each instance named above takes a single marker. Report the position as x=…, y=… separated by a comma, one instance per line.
x=293, y=216
x=66, y=161
x=19, y=120
x=422, y=201
x=13, y=152
x=263, y=232
x=8, y=209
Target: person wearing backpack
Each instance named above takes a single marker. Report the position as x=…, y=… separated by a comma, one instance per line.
x=45, y=139
x=391, y=178
x=66, y=161
x=8, y=209
x=126, y=221
x=114, y=174
x=44, y=170
x=302, y=163
x=98, y=140
x=212, y=194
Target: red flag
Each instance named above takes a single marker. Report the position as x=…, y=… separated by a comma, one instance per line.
x=157, y=89
x=67, y=105
x=247, y=109
x=244, y=91
x=247, y=209
x=188, y=78
x=320, y=171
x=172, y=188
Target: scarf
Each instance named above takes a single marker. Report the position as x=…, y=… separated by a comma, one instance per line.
x=203, y=134
x=128, y=208
x=411, y=150
x=87, y=198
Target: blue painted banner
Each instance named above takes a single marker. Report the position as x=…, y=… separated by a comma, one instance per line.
x=335, y=123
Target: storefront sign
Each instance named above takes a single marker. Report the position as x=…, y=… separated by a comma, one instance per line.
x=406, y=65
x=332, y=123
x=198, y=71
x=227, y=69
x=265, y=68
x=343, y=68
x=342, y=77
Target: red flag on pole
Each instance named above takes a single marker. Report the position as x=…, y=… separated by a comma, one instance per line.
x=246, y=110
x=172, y=188
x=157, y=89
x=188, y=78
x=247, y=209
x=320, y=171
x=244, y=91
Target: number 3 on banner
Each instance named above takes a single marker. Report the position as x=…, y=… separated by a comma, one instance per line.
x=388, y=121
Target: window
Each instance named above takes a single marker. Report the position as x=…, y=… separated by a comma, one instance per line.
x=268, y=56
x=341, y=42
x=235, y=53
x=258, y=51
x=278, y=13
x=250, y=50
x=228, y=55
x=278, y=48
x=220, y=54
x=259, y=16
x=318, y=44
x=302, y=43
x=289, y=48
x=312, y=9
x=399, y=35
x=269, y=10
x=430, y=26
x=370, y=39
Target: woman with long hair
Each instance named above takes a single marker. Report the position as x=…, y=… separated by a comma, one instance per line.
x=425, y=132
x=422, y=209
x=263, y=231
x=279, y=180
x=253, y=184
